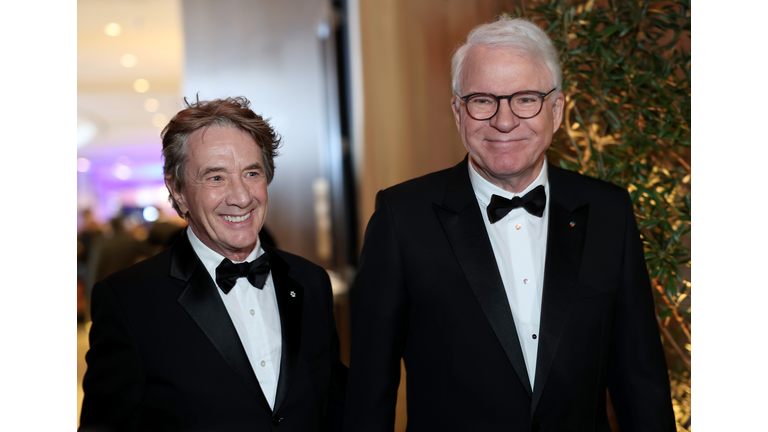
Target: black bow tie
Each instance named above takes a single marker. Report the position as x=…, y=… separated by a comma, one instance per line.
x=533, y=202
x=256, y=271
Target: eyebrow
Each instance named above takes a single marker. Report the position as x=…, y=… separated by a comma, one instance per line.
x=209, y=170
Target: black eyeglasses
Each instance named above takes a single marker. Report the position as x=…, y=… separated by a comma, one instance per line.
x=524, y=104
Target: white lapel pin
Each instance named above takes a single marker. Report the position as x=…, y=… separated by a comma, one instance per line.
x=293, y=294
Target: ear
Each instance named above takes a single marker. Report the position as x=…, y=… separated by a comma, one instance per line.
x=557, y=112
x=456, y=107
x=178, y=196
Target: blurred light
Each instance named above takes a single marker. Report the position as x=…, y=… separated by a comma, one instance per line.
x=112, y=204
x=148, y=171
x=112, y=29
x=145, y=197
x=141, y=85
x=151, y=105
x=162, y=193
x=83, y=165
x=121, y=171
x=159, y=120
x=128, y=60
x=323, y=30
x=150, y=214
x=86, y=130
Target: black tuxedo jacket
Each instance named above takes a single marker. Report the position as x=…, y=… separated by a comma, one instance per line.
x=165, y=355
x=429, y=290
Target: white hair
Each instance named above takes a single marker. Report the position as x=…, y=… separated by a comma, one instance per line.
x=516, y=34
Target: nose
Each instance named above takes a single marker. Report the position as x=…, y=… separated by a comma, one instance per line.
x=239, y=194
x=504, y=120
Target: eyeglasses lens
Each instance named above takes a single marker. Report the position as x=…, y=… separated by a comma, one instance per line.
x=484, y=106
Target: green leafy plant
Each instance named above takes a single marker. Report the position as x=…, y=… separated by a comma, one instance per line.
x=627, y=120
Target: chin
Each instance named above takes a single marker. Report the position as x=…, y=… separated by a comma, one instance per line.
x=507, y=165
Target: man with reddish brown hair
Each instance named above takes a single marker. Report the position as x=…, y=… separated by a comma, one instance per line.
x=220, y=331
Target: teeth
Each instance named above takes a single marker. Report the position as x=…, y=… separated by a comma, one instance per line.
x=237, y=218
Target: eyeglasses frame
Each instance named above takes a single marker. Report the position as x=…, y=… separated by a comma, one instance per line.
x=498, y=102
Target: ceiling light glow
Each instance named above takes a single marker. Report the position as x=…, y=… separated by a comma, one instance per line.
x=159, y=120
x=83, y=165
x=128, y=60
x=112, y=29
x=86, y=130
x=121, y=171
x=141, y=85
x=150, y=214
x=145, y=197
x=151, y=105
x=162, y=193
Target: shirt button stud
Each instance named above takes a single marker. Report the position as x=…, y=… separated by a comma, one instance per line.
x=525, y=281
x=263, y=363
x=533, y=336
x=518, y=226
x=253, y=312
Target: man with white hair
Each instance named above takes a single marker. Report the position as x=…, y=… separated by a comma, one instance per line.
x=515, y=292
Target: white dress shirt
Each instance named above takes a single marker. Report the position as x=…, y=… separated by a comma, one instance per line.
x=255, y=315
x=519, y=242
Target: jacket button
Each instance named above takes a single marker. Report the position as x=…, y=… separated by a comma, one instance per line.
x=535, y=427
x=276, y=420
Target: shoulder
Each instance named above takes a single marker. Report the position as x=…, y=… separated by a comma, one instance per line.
x=158, y=264
x=589, y=188
x=420, y=187
x=300, y=269
x=418, y=195
x=143, y=276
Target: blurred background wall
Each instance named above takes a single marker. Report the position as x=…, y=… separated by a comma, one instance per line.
x=406, y=49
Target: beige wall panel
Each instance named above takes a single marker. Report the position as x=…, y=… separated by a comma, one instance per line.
x=406, y=55
x=409, y=127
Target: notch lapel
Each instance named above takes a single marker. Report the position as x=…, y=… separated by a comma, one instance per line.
x=565, y=245
x=462, y=221
x=290, y=302
x=202, y=302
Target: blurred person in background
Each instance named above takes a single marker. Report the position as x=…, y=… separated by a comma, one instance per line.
x=118, y=251
x=89, y=236
x=220, y=331
x=162, y=233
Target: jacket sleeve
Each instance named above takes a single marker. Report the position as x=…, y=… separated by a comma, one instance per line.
x=638, y=381
x=114, y=381
x=379, y=309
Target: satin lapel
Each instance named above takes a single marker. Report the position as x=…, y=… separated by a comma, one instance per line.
x=290, y=302
x=202, y=301
x=565, y=245
x=462, y=221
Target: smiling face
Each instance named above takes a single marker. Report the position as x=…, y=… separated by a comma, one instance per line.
x=506, y=150
x=224, y=196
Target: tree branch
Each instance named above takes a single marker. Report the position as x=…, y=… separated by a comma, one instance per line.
x=676, y=314
x=673, y=343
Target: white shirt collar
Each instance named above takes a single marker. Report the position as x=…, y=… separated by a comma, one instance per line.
x=485, y=189
x=210, y=258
